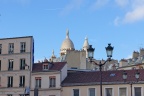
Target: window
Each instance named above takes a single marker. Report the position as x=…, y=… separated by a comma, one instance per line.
x=21, y=95
x=0, y=64
x=9, y=94
x=0, y=81
x=137, y=91
x=108, y=92
x=91, y=91
x=45, y=67
x=52, y=80
x=22, y=81
x=11, y=48
x=122, y=91
x=0, y=48
x=10, y=66
x=22, y=64
x=75, y=92
x=38, y=82
x=23, y=47
x=10, y=81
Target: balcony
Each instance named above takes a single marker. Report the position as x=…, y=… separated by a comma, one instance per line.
x=22, y=51
x=10, y=69
x=21, y=85
x=52, y=86
x=10, y=51
x=9, y=85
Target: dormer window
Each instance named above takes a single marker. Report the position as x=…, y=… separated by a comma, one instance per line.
x=45, y=67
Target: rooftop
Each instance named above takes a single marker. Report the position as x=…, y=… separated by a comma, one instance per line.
x=108, y=77
x=55, y=66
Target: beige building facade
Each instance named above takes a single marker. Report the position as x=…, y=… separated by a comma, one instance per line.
x=136, y=62
x=16, y=59
x=113, y=84
x=47, y=77
x=114, y=90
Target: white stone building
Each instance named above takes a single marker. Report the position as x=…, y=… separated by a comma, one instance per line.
x=47, y=77
x=16, y=59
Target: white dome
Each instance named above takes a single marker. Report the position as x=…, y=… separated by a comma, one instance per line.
x=67, y=43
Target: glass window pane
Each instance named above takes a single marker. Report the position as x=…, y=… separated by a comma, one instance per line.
x=122, y=91
x=137, y=91
x=108, y=91
x=76, y=92
x=91, y=91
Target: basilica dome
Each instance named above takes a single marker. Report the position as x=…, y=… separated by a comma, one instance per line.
x=67, y=44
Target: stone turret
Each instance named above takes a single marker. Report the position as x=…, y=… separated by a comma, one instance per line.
x=135, y=54
x=86, y=46
x=142, y=52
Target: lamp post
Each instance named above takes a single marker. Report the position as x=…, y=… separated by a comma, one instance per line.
x=109, y=51
x=131, y=83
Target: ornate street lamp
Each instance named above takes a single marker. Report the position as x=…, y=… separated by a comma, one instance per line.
x=109, y=51
x=137, y=74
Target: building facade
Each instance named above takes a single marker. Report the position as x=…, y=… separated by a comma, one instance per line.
x=16, y=59
x=136, y=62
x=113, y=84
x=47, y=77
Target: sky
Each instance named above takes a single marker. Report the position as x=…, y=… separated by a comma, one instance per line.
x=119, y=22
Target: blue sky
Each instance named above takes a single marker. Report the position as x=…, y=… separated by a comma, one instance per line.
x=119, y=22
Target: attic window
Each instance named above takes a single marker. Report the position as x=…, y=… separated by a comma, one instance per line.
x=45, y=67
x=112, y=74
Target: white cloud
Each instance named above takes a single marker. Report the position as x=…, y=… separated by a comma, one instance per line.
x=129, y=56
x=134, y=11
x=122, y=3
x=98, y=4
x=136, y=14
x=117, y=21
x=74, y=4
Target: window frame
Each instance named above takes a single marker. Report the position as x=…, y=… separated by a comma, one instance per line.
x=22, y=47
x=11, y=48
x=22, y=63
x=105, y=91
x=52, y=81
x=136, y=87
x=75, y=89
x=39, y=84
x=122, y=87
x=10, y=64
x=21, y=81
x=45, y=66
x=0, y=48
x=10, y=81
x=0, y=65
x=89, y=91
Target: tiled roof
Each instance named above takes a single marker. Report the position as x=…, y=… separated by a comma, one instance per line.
x=55, y=66
x=108, y=77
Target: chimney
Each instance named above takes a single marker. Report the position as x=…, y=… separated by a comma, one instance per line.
x=135, y=54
